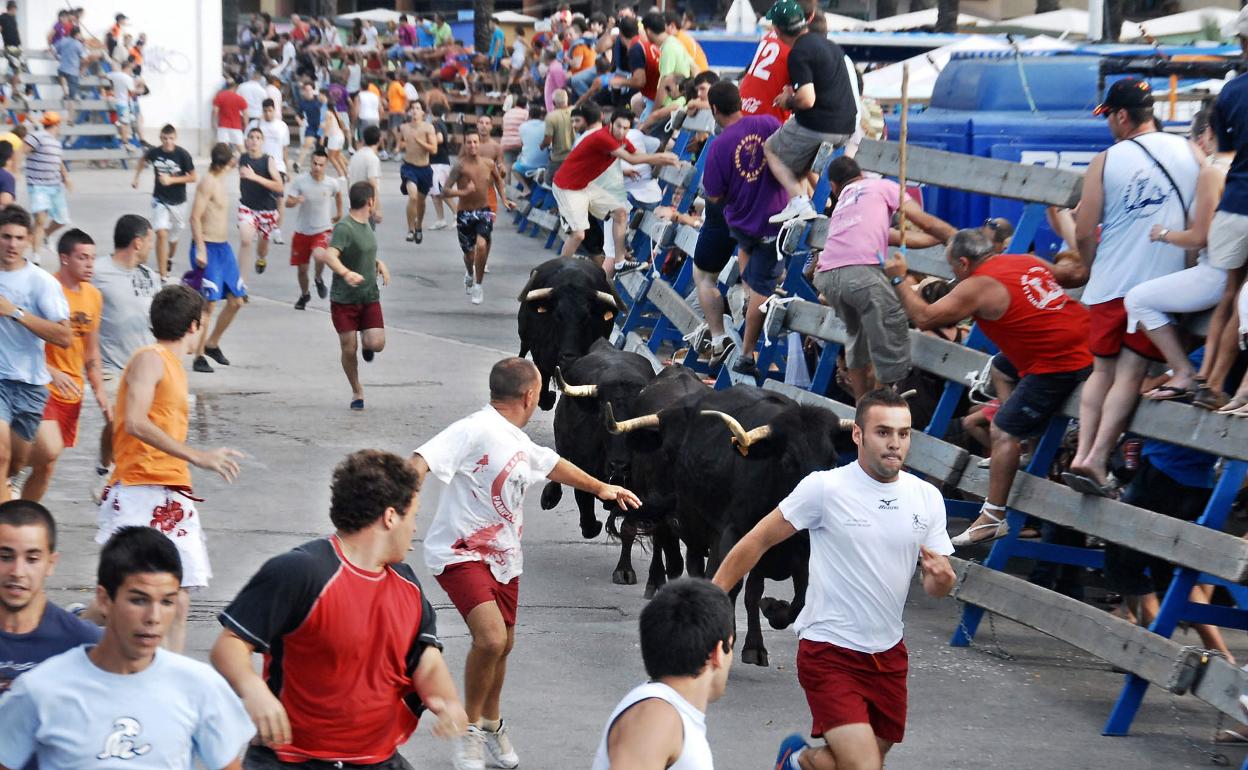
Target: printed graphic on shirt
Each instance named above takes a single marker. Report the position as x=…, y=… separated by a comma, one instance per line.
x=749, y=158
x=1041, y=289
x=1143, y=196
x=121, y=743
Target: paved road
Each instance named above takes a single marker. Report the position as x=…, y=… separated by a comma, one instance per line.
x=283, y=401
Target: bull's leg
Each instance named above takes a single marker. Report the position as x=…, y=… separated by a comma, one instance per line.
x=782, y=614
x=546, y=401
x=552, y=493
x=665, y=538
x=658, y=575
x=753, y=651
x=624, y=574
x=590, y=526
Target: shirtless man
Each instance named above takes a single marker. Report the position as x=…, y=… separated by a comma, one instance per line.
x=418, y=140
x=475, y=220
x=490, y=149
x=215, y=272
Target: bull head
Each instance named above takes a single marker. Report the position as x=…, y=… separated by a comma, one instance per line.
x=574, y=391
x=645, y=422
x=741, y=438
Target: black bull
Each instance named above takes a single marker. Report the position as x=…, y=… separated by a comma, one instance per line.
x=735, y=454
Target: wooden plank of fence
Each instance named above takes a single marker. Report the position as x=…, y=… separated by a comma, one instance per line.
x=985, y=176
x=673, y=306
x=686, y=239
x=633, y=343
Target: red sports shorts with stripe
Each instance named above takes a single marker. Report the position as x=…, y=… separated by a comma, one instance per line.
x=302, y=246
x=845, y=687
x=66, y=417
x=470, y=583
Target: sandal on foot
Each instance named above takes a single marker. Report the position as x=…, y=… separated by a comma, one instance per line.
x=997, y=525
x=1208, y=398
x=1081, y=482
x=1234, y=405
x=1170, y=393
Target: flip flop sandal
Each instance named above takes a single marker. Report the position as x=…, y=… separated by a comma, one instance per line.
x=1230, y=736
x=1208, y=398
x=1234, y=405
x=1170, y=393
x=1085, y=484
x=1001, y=529
x=1240, y=412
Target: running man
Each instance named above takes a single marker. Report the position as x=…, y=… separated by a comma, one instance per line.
x=473, y=544
x=419, y=141
x=313, y=193
x=47, y=179
x=870, y=523
x=687, y=634
x=474, y=219
x=174, y=171
x=440, y=162
x=349, y=638
x=365, y=166
x=32, y=311
x=276, y=145
x=308, y=109
x=32, y=629
x=212, y=259
x=130, y=699
x=59, y=429
x=151, y=482
x=260, y=187
x=354, y=296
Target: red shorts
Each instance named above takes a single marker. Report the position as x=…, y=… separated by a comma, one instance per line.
x=1109, y=333
x=846, y=687
x=356, y=318
x=66, y=417
x=471, y=583
x=301, y=246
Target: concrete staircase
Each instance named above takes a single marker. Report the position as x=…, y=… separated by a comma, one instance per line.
x=92, y=136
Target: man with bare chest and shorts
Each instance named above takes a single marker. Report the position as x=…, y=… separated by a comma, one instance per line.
x=418, y=141
x=214, y=269
x=470, y=180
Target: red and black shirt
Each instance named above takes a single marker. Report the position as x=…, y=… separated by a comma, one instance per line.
x=340, y=645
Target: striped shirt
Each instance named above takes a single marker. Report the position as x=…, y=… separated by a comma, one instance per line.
x=43, y=162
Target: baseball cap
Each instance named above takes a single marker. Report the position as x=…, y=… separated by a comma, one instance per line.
x=1126, y=94
x=787, y=15
x=51, y=118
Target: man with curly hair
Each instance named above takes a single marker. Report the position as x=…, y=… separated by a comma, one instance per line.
x=349, y=638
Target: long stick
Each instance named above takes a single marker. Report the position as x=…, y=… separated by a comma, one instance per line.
x=901, y=150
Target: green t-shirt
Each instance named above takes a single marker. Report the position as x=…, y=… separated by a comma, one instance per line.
x=442, y=34
x=674, y=58
x=357, y=250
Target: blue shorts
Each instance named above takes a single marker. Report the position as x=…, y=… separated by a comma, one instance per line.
x=715, y=243
x=21, y=406
x=221, y=273
x=49, y=199
x=763, y=269
x=421, y=176
x=71, y=84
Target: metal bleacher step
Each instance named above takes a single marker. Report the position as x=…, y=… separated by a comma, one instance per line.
x=116, y=153
x=86, y=81
x=89, y=129
x=42, y=105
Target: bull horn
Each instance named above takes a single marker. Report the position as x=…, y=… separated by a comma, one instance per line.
x=607, y=299
x=645, y=422
x=574, y=390
x=909, y=394
x=535, y=295
x=741, y=438
x=846, y=424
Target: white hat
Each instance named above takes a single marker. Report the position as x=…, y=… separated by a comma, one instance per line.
x=1238, y=27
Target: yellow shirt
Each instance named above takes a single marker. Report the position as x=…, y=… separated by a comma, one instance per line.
x=140, y=463
x=85, y=306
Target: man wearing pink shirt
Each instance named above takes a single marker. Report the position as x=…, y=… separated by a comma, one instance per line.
x=556, y=77
x=850, y=275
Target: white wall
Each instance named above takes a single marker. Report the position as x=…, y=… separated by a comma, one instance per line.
x=191, y=28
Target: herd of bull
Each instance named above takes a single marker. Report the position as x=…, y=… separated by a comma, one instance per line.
x=707, y=464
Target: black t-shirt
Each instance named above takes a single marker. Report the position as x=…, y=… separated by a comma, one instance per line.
x=636, y=57
x=8, y=31
x=441, y=156
x=815, y=59
x=251, y=194
x=176, y=163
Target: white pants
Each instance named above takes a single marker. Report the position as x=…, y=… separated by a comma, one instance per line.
x=1187, y=291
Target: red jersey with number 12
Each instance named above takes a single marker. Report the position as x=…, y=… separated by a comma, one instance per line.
x=766, y=78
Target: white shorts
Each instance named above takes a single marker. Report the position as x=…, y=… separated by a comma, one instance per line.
x=576, y=206
x=335, y=142
x=441, y=172
x=169, y=217
x=231, y=136
x=164, y=508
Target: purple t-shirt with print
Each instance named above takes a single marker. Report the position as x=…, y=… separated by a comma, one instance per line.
x=736, y=172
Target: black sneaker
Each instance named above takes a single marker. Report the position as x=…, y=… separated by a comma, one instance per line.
x=367, y=354
x=302, y=302
x=746, y=365
x=201, y=365
x=261, y=264
x=628, y=266
x=321, y=290
x=216, y=355
x=418, y=236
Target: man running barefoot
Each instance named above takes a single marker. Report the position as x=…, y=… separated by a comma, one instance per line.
x=419, y=141
x=314, y=194
x=869, y=523
x=354, y=297
x=260, y=187
x=470, y=181
x=151, y=483
x=174, y=171
x=473, y=543
x=212, y=259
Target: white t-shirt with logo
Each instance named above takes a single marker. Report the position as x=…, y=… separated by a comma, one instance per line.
x=488, y=465
x=864, y=550
x=276, y=139
x=369, y=106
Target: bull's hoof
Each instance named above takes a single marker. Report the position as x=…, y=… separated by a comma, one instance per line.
x=675, y=567
x=776, y=611
x=547, y=400
x=624, y=577
x=755, y=656
x=590, y=530
x=651, y=590
x=552, y=493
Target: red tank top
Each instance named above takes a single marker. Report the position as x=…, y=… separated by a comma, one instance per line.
x=1044, y=331
x=651, y=89
x=766, y=78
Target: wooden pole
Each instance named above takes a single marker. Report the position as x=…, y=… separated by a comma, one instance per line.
x=901, y=151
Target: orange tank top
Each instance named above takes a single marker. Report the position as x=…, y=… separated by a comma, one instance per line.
x=140, y=463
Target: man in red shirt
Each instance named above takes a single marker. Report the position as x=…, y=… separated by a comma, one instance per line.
x=349, y=638
x=643, y=61
x=227, y=115
x=1043, y=337
x=766, y=78
x=576, y=191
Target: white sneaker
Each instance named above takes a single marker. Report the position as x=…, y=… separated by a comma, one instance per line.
x=478, y=294
x=276, y=237
x=499, y=748
x=441, y=224
x=470, y=751
x=468, y=283
x=798, y=208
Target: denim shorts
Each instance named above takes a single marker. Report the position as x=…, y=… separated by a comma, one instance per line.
x=21, y=406
x=1035, y=399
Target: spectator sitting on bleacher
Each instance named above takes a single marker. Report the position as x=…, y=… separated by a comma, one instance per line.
x=513, y=117
x=558, y=139
x=581, y=58
x=556, y=78
x=441, y=30
x=533, y=155
x=1043, y=337
x=675, y=63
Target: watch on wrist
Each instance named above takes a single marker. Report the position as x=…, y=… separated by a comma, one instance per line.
x=17, y=313
x=896, y=280
x=1161, y=236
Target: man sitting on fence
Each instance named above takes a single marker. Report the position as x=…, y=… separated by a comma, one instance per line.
x=1043, y=337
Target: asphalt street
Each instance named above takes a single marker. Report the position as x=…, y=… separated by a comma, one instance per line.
x=283, y=401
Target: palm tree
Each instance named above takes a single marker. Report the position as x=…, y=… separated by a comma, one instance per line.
x=482, y=12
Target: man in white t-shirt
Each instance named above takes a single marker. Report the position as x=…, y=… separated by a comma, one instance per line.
x=255, y=92
x=473, y=543
x=365, y=166
x=368, y=108
x=869, y=524
x=121, y=79
x=276, y=134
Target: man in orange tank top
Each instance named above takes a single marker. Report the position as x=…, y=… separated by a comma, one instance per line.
x=151, y=483
x=1043, y=337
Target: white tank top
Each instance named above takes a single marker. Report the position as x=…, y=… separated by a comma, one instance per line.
x=1137, y=196
x=696, y=752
